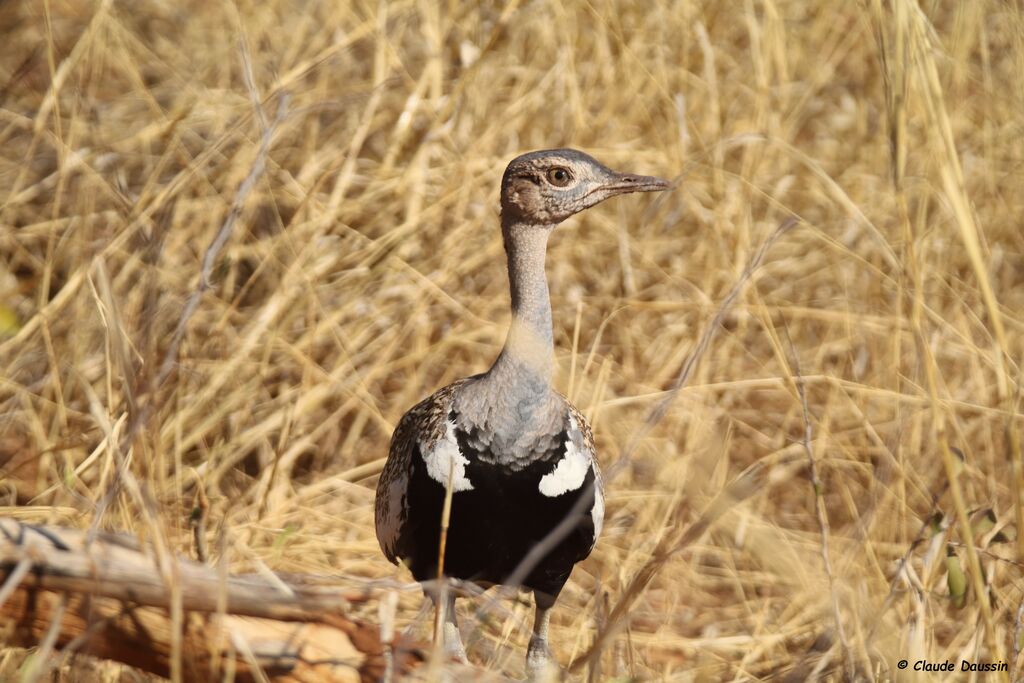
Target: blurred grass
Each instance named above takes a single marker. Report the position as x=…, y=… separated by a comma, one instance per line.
x=366, y=269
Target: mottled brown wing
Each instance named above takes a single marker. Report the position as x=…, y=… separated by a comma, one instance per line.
x=418, y=430
x=587, y=434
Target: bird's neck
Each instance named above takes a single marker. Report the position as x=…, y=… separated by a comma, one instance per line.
x=526, y=362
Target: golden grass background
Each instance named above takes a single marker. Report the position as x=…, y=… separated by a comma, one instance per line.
x=365, y=269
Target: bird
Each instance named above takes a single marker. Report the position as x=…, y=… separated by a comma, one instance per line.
x=518, y=457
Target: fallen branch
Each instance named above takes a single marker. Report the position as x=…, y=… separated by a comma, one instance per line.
x=107, y=599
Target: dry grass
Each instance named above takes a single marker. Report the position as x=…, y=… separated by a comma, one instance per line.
x=365, y=270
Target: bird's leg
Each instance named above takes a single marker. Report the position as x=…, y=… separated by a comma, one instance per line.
x=449, y=626
x=538, y=654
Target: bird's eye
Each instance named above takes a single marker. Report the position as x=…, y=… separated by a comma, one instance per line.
x=559, y=177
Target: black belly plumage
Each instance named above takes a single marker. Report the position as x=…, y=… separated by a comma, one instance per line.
x=493, y=526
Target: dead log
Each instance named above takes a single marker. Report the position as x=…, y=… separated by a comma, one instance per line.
x=109, y=597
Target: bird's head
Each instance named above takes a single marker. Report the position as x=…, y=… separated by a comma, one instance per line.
x=546, y=187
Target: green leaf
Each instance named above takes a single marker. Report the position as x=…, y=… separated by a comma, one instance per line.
x=9, y=324
x=955, y=579
x=983, y=521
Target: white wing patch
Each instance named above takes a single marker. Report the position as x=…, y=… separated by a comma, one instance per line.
x=597, y=512
x=571, y=469
x=439, y=460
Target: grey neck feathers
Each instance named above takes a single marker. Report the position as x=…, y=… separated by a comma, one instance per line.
x=529, y=347
x=514, y=398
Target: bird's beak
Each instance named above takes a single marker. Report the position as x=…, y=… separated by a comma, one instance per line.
x=624, y=183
